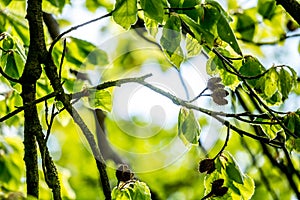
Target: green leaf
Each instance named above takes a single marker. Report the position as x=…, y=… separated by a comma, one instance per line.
x=20, y=62
x=58, y=3
x=245, y=26
x=266, y=8
x=286, y=83
x=234, y=173
x=8, y=43
x=292, y=122
x=93, y=5
x=210, y=19
x=125, y=13
x=6, y=2
x=197, y=31
x=216, y=5
x=232, y=169
x=197, y=13
x=100, y=99
x=251, y=67
x=82, y=53
x=151, y=26
x=293, y=144
x=192, y=46
x=141, y=191
x=247, y=188
x=153, y=9
x=188, y=127
x=270, y=130
x=213, y=64
x=11, y=67
x=98, y=57
x=225, y=32
x=117, y=194
x=170, y=41
x=271, y=81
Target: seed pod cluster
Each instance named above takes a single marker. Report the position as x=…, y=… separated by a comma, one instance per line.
x=123, y=173
x=207, y=165
x=218, y=91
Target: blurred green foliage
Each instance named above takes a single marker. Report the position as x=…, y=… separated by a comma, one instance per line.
x=169, y=168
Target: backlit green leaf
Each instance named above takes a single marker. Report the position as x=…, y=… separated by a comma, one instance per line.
x=225, y=32
x=286, y=83
x=151, y=25
x=271, y=82
x=247, y=188
x=132, y=191
x=292, y=122
x=100, y=99
x=188, y=127
x=125, y=13
x=170, y=41
x=232, y=169
x=293, y=144
x=93, y=5
x=192, y=46
x=153, y=9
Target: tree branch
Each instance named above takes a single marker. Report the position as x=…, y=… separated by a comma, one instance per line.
x=261, y=103
x=51, y=72
x=32, y=126
x=34, y=102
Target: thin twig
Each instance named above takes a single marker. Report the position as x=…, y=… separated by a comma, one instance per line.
x=183, y=84
x=62, y=58
x=284, y=37
x=199, y=95
x=76, y=27
x=19, y=109
x=181, y=102
x=225, y=143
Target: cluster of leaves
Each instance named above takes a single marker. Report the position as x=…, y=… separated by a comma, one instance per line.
x=274, y=84
x=204, y=24
x=224, y=170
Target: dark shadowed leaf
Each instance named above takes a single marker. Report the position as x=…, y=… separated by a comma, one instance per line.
x=153, y=9
x=245, y=26
x=266, y=8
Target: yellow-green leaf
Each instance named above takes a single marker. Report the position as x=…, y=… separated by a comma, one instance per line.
x=188, y=127
x=125, y=13
x=100, y=99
